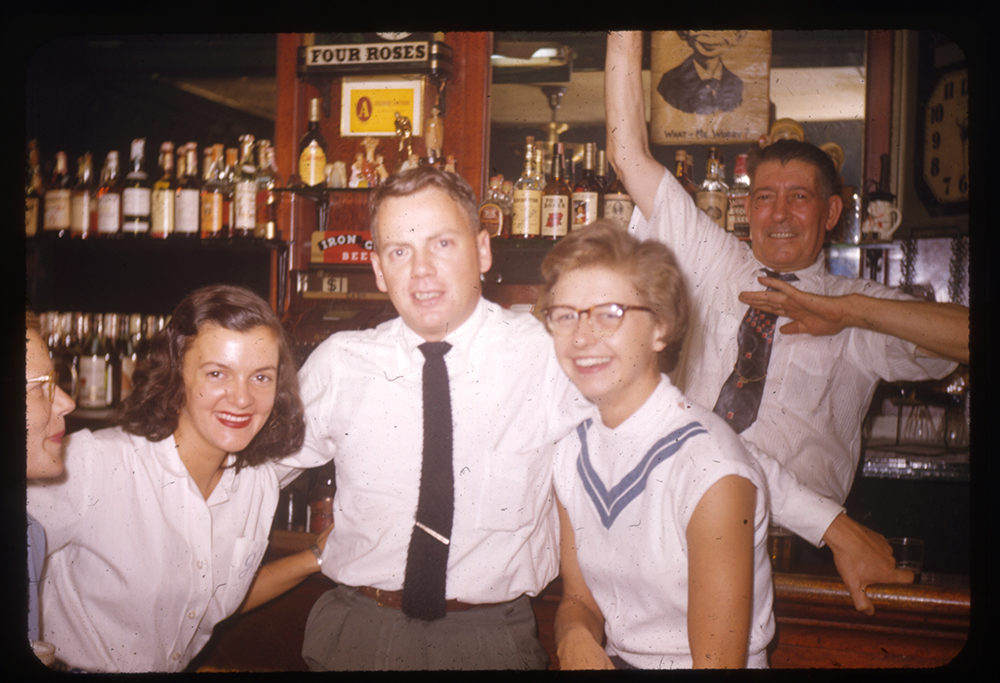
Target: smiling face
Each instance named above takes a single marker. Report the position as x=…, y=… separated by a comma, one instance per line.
x=617, y=371
x=789, y=216
x=429, y=259
x=44, y=420
x=230, y=380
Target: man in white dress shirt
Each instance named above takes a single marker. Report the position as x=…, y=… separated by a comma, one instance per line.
x=817, y=386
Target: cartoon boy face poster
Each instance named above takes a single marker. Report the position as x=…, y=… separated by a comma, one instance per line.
x=709, y=87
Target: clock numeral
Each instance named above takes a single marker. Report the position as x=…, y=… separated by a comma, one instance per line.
x=936, y=140
x=937, y=113
x=949, y=90
x=963, y=184
x=935, y=167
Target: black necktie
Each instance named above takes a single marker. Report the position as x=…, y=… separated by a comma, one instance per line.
x=427, y=560
x=739, y=398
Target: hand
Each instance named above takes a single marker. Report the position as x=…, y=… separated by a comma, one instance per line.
x=579, y=651
x=862, y=557
x=811, y=313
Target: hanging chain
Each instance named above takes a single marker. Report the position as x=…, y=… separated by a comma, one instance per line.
x=909, y=247
x=957, y=269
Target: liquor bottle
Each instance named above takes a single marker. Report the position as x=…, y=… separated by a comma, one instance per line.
x=213, y=195
x=711, y=196
x=321, y=501
x=618, y=204
x=63, y=352
x=232, y=158
x=83, y=200
x=245, y=190
x=555, y=198
x=113, y=344
x=506, y=206
x=682, y=174
x=128, y=352
x=312, y=150
x=163, y=215
x=109, y=198
x=55, y=218
x=137, y=194
x=490, y=214
x=602, y=173
x=96, y=382
x=32, y=191
x=541, y=168
x=586, y=198
x=527, y=205
x=736, y=217
x=266, y=181
x=187, y=202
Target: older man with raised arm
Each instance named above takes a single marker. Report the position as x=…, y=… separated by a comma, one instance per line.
x=797, y=400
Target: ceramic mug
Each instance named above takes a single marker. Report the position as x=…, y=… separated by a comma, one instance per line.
x=882, y=221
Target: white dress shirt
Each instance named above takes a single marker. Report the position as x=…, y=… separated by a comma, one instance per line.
x=141, y=567
x=630, y=493
x=818, y=388
x=510, y=402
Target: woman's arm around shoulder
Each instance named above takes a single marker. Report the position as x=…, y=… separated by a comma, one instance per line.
x=579, y=624
x=720, y=539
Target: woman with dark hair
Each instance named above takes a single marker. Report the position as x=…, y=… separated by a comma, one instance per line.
x=663, y=512
x=157, y=529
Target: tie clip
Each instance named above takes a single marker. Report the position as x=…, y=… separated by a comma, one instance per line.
x=433, y=533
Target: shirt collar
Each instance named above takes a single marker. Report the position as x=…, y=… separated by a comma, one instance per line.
x=808, y=276
x=165, y=452
x=460, y=339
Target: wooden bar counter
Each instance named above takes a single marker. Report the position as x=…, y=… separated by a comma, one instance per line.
x=921, y=625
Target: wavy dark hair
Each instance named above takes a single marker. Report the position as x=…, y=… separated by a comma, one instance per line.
x=152, y=409
x=650, y=266
x=786, y=150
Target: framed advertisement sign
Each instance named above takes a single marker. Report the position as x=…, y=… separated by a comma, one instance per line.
x=368, y=106
x=709, y=87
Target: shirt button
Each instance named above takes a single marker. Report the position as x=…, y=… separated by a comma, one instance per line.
x=200, y=564
x=192, y=614
x=175, y=656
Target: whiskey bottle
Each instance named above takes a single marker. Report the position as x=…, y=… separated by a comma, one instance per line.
x=602, y=173
x=32, y=191
x=83, y=200
x=232, y=156
x=136, y=193
x=96, y=385
x=128, y=352
x=618, y=205
x=245, y=190
x=267, y=199
x=490, y=213
x=109, y=198
x=187, y=205
x=586, y=199
x=506, y=207
x=555, y=198
x=213, y=195
x=736, y=217
x=527, y=198
x=681, y=172
x=712, y=194
x=55, y=218
x=164, y=208
x=312, y=150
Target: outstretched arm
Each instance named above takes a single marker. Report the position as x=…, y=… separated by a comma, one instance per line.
x=579, y=624
x=281, y=575
x=937, y=328
x=625, y=112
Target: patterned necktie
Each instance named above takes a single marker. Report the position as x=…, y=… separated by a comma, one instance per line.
x=427, y=559
x=739, y=399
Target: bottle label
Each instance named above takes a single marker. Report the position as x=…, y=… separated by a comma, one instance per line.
x=57, y=210
x=136, y=201
x=162, y=212
x=187, y=212
x=245, y=205
x=94, y=383
x=30, y=216
x=618, y=207
x=312, y=165
x=80, y=207
x=585, y=207
x=211, y=213
x=527, y=213
x=491, y=218
x=714, y=205
x=736, y=216
x=108, y=212
x=555, y=215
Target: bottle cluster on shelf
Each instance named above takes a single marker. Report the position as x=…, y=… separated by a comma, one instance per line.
x=94, y=354
x=230, y=194
x=723, y=203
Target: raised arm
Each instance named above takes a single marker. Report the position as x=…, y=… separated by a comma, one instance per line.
x=937, y=328
x=579, y=624
x=720, y=537
x=625, y=112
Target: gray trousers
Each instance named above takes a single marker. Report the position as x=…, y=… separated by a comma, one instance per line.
x=347, y=631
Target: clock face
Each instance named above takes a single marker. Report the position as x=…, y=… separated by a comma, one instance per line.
x=946, y=138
